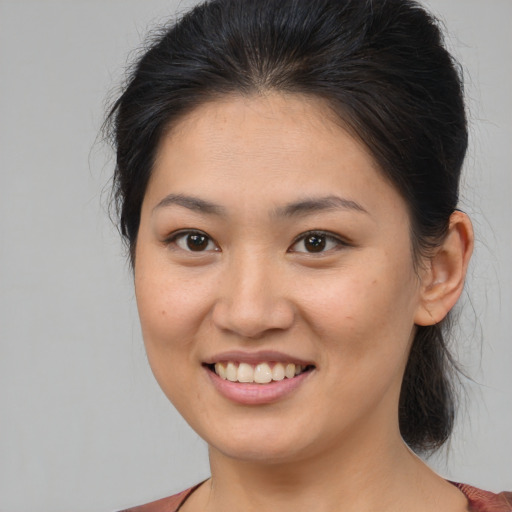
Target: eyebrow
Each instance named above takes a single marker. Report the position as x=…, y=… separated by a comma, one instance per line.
x=297, y=208
x=311, y=205
x=192, y=203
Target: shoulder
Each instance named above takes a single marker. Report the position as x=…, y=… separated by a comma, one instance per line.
x=485, y=501
x=479, y=501
x=169, y=504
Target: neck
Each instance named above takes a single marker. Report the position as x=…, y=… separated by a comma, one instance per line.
x=358, y=477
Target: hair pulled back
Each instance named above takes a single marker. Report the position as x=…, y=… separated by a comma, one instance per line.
x=380, y=65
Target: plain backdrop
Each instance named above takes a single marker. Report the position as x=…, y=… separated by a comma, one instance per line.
x=83, y=426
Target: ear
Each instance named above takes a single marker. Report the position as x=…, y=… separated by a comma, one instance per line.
x=442, y=280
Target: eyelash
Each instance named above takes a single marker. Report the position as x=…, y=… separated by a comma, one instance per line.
x=173, y=239
x=327, y=236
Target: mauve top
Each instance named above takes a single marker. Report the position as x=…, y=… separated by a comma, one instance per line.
x=479, y=501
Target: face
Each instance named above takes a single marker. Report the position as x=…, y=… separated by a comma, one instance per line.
x=275, y=280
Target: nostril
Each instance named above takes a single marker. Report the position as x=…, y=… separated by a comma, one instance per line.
x=253, y=319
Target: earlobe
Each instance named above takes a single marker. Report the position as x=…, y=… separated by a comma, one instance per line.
x=443, y=279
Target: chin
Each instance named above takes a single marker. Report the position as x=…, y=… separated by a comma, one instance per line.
x=265, y=443
x=268, y=454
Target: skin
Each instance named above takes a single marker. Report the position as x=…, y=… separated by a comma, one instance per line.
x=350, y=309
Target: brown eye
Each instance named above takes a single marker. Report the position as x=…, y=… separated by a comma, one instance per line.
x=194, y=241
x=316, y=242
x=197, y=242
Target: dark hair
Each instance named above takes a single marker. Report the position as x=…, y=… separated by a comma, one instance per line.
x=380, y=65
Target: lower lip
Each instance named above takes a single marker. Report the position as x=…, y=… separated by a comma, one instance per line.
x=257, y=394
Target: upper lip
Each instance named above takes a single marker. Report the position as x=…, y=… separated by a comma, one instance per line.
x=260, y=356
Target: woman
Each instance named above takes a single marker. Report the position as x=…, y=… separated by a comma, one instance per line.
x=287, y=180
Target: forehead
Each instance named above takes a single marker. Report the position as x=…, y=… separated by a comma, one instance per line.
x=273, y=148
x=268, y=108
x=267, y=130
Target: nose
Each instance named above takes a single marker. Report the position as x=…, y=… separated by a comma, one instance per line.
x=252, y=298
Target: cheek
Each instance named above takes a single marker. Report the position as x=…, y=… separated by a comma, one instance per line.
x=169, y=302
x=364, y=310
x=365, y=328
x=165, y=317
x=165, y=307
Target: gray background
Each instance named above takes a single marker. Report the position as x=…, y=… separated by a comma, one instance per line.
x=83, y=427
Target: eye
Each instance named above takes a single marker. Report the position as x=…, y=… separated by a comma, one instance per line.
x=193, y=241
x=316, y=242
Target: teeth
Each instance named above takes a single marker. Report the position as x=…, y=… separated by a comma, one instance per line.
x=220, y=370
x=289, y=371
x=245, y=373
x=262, y=373
x=278, y=372
x=231, y=372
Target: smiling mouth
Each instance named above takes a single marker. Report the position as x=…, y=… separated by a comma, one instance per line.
x=261, y=373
